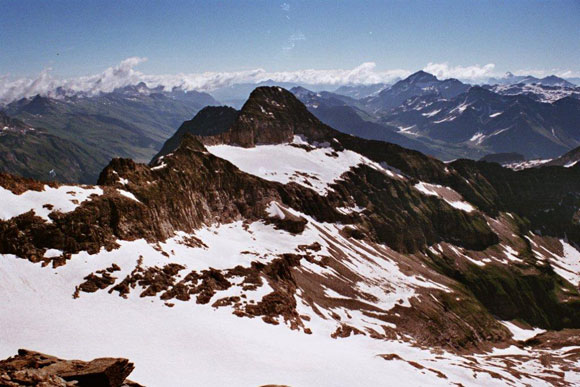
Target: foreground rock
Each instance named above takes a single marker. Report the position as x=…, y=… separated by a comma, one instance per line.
x=30, y=368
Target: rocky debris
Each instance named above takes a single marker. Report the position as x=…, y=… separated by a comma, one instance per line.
x=101, y=280
x=169, y=284
x=288, y=222
x=18, y=185
x=30, y=368
x=345, y=330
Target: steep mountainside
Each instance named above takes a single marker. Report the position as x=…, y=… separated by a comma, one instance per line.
x=130, y=122
x=32, y=152
x=482, y=122
x=280, y=243
x=344, y=115
x=209, y=121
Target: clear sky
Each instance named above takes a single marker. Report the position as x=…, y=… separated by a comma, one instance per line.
x=84, y=37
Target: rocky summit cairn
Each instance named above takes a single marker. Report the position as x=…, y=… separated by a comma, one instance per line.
x=30, y=368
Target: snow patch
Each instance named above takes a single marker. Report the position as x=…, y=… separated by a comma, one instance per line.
x=315, y=168
x=65, y=198
x=521, y=334
x=568, y=265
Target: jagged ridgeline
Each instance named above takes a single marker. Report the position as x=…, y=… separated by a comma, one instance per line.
x=268, y=212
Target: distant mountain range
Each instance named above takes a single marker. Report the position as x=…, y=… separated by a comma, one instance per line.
x=485, y=122
x=447, y=119
x=133, y=122
x=511, y=79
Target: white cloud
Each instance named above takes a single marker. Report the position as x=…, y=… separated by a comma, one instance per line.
x=125, y=74
x=45, y=84
x=285, y=7
x=471, y=73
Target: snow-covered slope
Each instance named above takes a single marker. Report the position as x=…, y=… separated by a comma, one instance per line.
x=313, y=167
x=181, y=343
x=307, y=258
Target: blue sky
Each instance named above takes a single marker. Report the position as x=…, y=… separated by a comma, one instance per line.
x=85, y=37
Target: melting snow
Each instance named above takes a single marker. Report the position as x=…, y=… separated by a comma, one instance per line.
x=526, y=164
x=477, y=138
x=127, y=194
x=521, y=334
x=64, y=199
x=431, y=114
x=285, y=163
x=160, y=166
x=275, y=211
x=568, y=266
x=440, y=191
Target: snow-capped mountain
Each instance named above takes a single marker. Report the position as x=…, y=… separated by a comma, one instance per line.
x=482, y=121
x=417, y=84
x=511, y=79
x=538, y=92
x=277, y=250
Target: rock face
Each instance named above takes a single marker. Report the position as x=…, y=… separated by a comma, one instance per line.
x=210, y=121
x=30, y=368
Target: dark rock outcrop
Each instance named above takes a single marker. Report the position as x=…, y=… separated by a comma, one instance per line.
x=503, y=158
x=30, y=368
x=210, y=121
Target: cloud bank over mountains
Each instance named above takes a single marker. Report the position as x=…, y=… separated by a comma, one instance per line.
x=125, y=74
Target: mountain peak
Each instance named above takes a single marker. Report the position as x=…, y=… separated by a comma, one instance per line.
x=421, y=76
x=272, y=115
x=553, y=80
x=300, y=91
